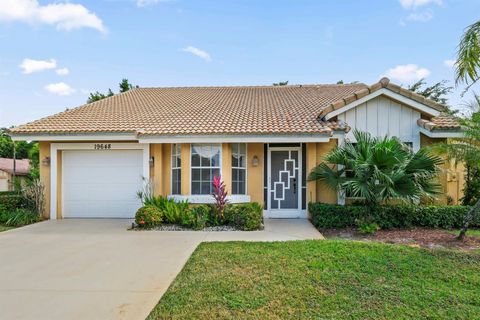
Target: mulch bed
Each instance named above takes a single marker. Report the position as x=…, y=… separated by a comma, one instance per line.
x=418, y=237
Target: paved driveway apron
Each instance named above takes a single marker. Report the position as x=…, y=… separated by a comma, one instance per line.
x=95, y=269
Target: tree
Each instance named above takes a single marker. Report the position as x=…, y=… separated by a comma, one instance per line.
x=123, y=86
x=281, y=83
x=467, y=66
x=379, y=170
x=438, y=92
x=466, y=150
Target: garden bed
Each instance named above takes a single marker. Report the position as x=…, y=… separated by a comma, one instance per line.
x=176, y=227
x=416, y=237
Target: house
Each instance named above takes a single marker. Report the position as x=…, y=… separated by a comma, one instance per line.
x=262, y=140
x=22, y=168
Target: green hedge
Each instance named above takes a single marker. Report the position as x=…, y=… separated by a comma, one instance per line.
x=389, y=216
x=244, y=216
x=14, y=201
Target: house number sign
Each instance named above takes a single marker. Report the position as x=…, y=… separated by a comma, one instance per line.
x=102, y=146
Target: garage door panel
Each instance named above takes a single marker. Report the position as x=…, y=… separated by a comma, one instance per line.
x=101, y=184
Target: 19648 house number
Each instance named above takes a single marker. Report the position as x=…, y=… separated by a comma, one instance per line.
x=102, y=146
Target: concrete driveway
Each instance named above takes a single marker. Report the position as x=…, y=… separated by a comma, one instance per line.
x=95, y=269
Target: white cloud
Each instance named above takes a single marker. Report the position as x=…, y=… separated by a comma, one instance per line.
x=413, y=4
x=144, y=3
x=31, y=66
x=198, y=52
x=449, y=63
x=60, y=88
x=62, y=71
x=407, y=73
x=420, y=17
x=65, y=16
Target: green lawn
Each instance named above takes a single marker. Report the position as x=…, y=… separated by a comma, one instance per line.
x=470, y=232
x=323, y=280
x=4, y=228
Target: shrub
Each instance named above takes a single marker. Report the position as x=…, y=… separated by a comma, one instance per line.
x=245, y=216
x=174, y=212
x=12, y=201
x=388, y=216
x=4, y=214
x=148, y=217
x=21, y=217
x=201, y=215
x=368, y=227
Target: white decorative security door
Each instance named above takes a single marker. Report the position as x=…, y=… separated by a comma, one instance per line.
x=284, y=182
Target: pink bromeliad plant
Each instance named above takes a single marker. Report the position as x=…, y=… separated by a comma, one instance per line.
x=220, y=195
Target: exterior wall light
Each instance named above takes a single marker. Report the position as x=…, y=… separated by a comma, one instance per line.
x=255, y=161
x=46, y=162
x=151, y=161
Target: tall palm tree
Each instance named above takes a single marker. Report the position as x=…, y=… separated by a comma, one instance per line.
x=379, y=170
x=467, y=66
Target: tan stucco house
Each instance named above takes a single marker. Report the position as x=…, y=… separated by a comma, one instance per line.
x=262, y=140
x=8, y=171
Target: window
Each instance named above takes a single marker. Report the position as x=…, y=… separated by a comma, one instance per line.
x=205, y=165
x=239, y=168
x=176, y=169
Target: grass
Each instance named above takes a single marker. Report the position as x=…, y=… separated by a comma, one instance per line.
x=4, y=228
x=323, y=280
x=470, y=232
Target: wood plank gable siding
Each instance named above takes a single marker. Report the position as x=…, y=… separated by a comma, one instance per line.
x=382, y=116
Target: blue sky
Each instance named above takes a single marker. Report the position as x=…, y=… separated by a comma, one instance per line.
x=52, y=53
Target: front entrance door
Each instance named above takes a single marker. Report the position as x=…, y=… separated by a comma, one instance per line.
x=285, y=186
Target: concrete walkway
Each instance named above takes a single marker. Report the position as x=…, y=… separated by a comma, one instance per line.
x=96, y=269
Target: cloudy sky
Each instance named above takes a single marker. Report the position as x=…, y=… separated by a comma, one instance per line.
x=54, y=52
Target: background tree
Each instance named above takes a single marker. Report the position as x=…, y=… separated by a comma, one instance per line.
x=123, y=86
x=438, y=92
x=281, y=83
x=379, y=170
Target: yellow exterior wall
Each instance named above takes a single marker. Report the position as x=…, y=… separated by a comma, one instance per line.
x=255, y=174
x=156, y=173
x=323, y=193
x=166, y=166
x=44, y=151
x=451, y=177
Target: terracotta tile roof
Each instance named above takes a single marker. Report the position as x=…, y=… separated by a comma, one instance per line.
x=444, y=122
x=202, y=110
x=22, y=166
x=383, y=83
x=298, y=109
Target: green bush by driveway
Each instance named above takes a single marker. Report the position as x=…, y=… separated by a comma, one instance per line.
x=323, y=280
x=388, y=216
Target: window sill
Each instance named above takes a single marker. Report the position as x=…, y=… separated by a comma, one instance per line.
x=206, y=198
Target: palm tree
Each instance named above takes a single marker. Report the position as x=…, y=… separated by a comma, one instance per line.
x=468, y=56
x=379, y=170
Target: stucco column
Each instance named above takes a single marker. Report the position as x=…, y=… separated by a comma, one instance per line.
x=156, y=173
x=185, y=154
x=44, y=151
x=227, y=166
x=311, y=163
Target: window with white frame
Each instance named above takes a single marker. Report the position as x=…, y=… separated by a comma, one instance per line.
x=176, y=169
x=239, y=168
x=205, y=163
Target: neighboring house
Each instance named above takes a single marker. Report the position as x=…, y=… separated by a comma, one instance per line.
x=262, y=140
x=22, y=168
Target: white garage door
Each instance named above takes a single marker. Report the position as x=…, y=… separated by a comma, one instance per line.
x=101, y=184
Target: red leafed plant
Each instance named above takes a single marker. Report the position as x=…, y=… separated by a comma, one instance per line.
x=220, y=196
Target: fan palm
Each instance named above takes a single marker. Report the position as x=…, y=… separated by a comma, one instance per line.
x=379, y=170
